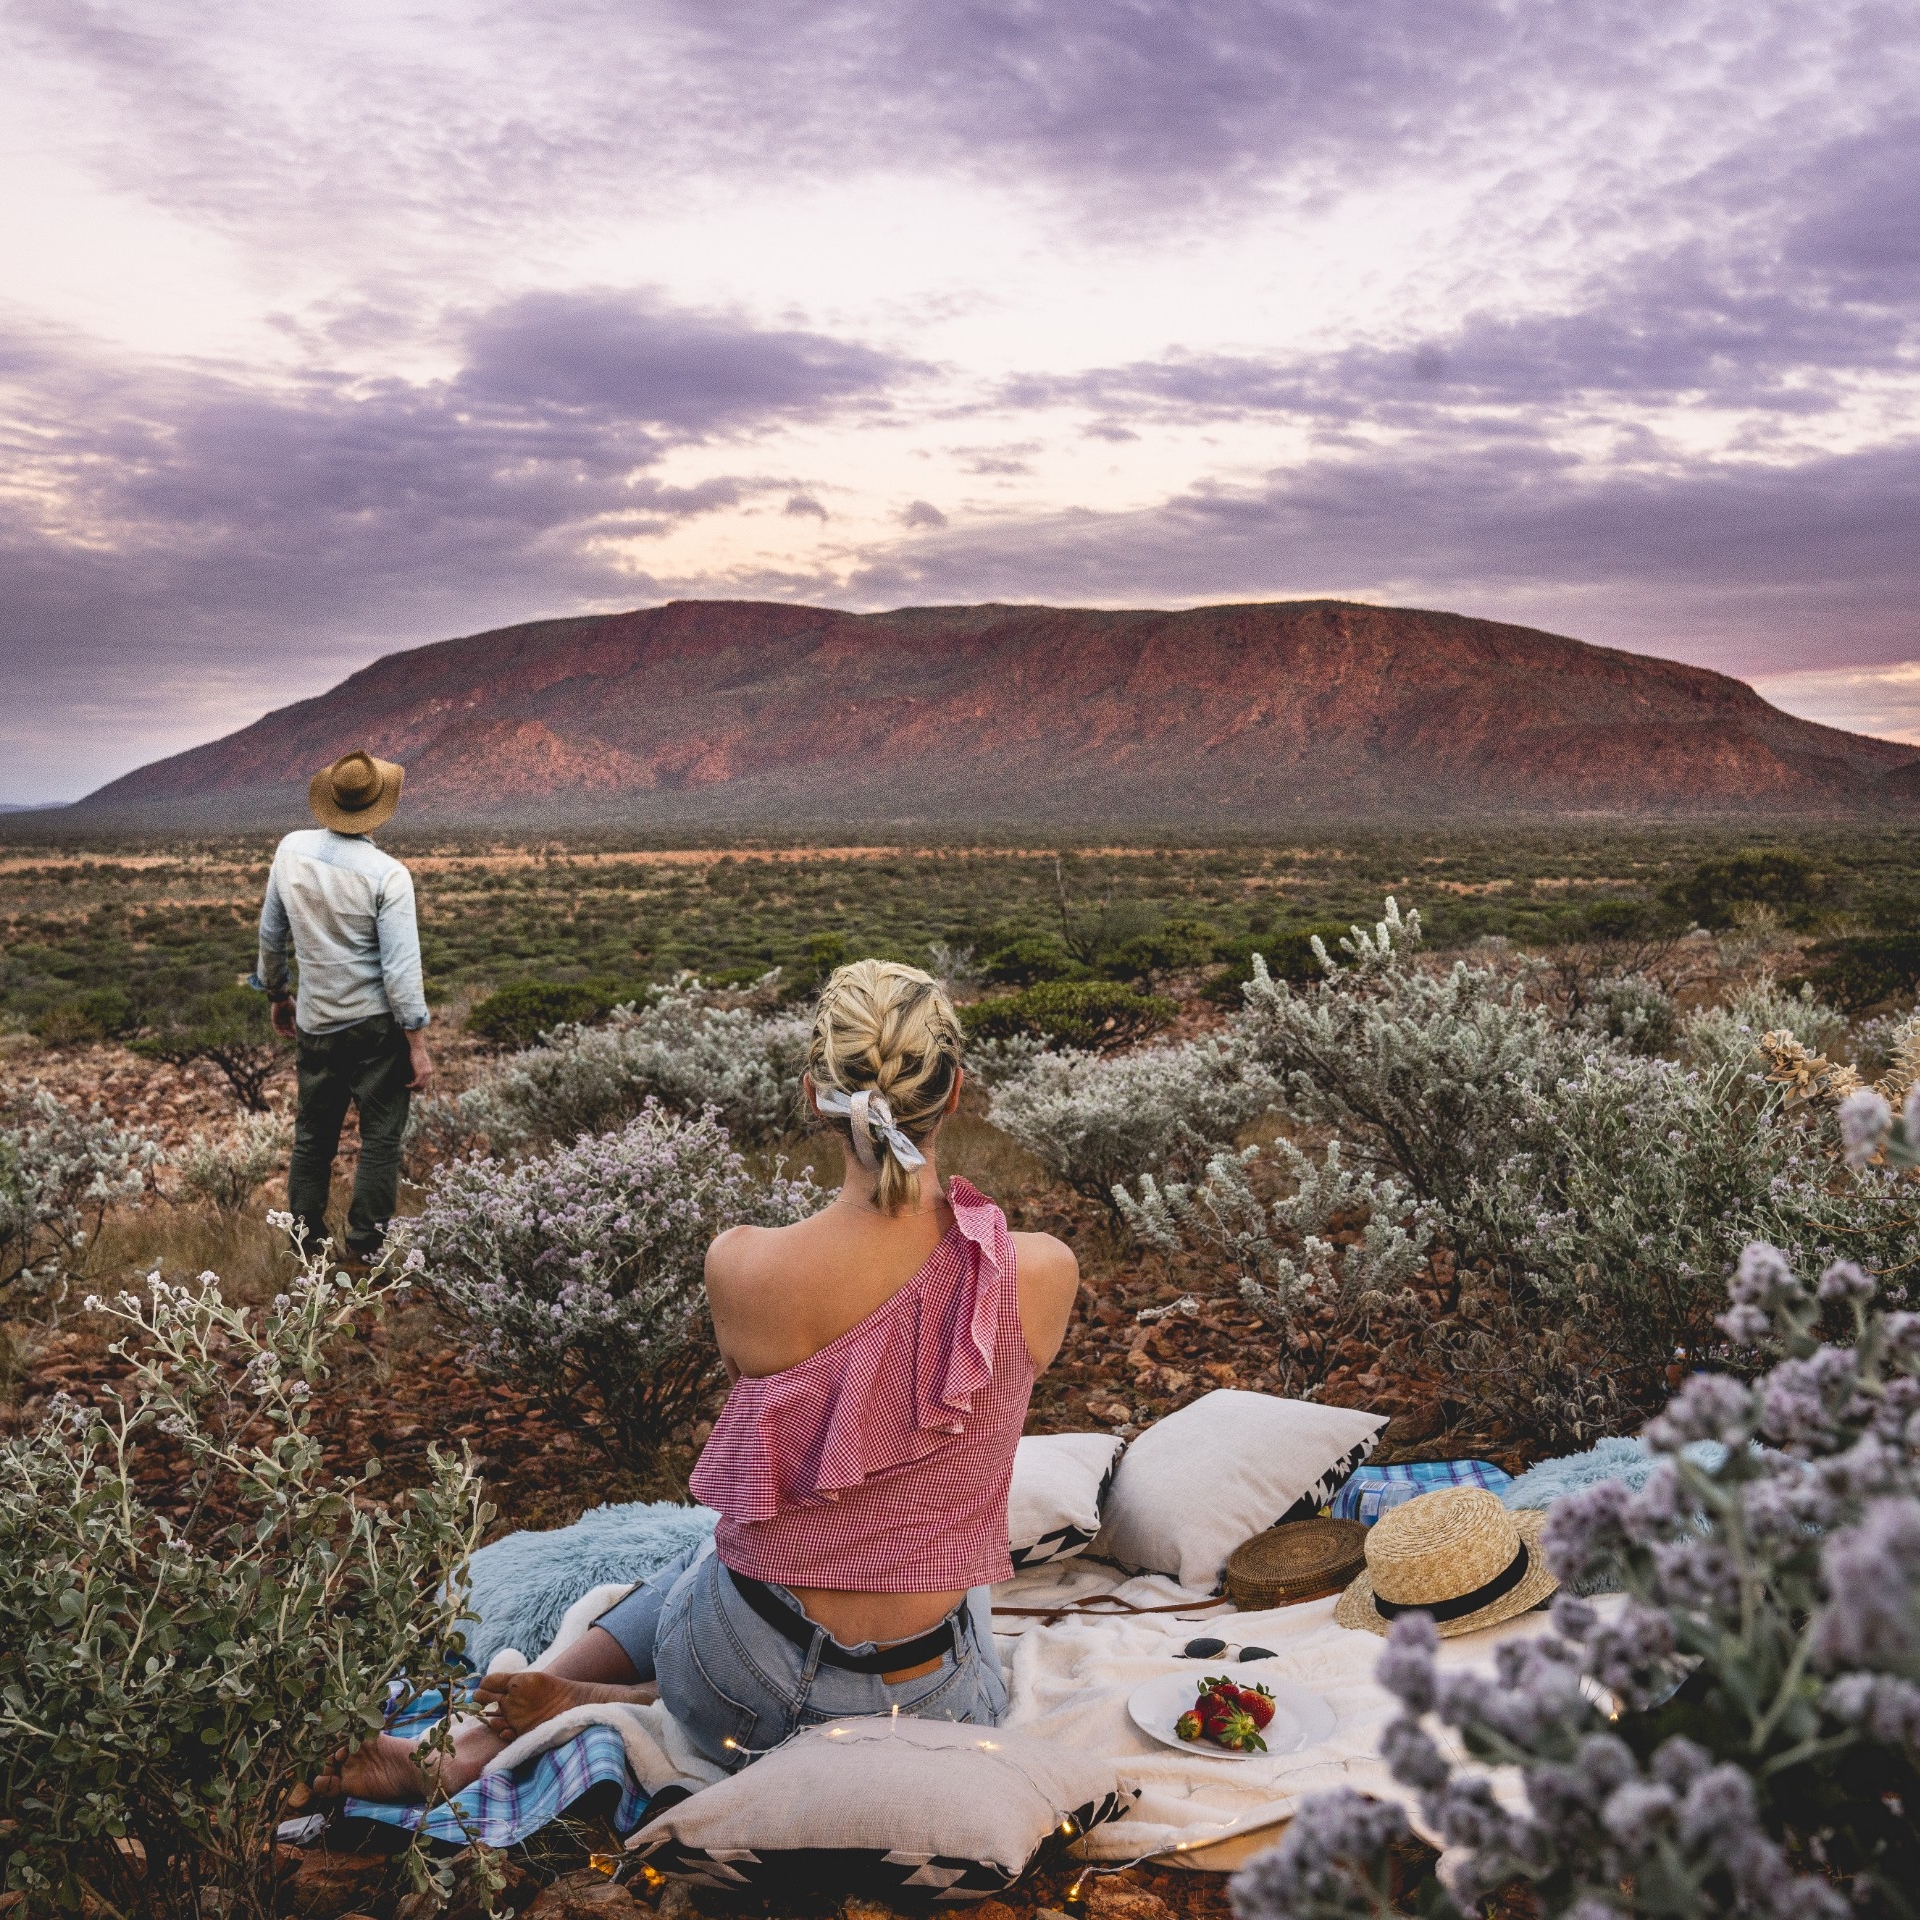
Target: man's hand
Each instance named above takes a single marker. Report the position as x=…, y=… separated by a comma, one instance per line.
x=281, y=1014
x=422, y=1064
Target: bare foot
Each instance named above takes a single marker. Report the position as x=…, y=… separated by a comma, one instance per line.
x=384, y=1768
x=521, y=1701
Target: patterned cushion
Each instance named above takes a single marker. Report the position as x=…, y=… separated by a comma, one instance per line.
x=941, y=1810
x=1053, y=1506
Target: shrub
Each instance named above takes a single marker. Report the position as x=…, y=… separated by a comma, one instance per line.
x=684, y=1048
x=1289, y=956
x=579, y=1275
x=1096, y=1120
x=230, y=1029
x=1326, y=1293
x=1858, y=973
x=166, y=1675
x=226, y=1172
x=1425, y=1075
x=60, y=1172
x=1630, y=1008
x=518, y=1015
x=1730, y=1035
x=1072, y=1013
x=1175, y=945
x=1780, y=879
x=105, y=1013
x=1026, y=961
x=1741, y=1738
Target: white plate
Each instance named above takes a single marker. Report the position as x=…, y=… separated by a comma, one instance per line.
x=1300, y=1719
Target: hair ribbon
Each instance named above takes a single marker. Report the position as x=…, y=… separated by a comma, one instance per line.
x=870, y=1115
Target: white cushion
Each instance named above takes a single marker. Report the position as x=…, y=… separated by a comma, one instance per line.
x=1053, y=1506
x=884, y=1806
x=1196, y=1484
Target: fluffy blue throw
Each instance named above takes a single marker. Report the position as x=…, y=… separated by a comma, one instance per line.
x=522, y=1585
x=1624, y=1460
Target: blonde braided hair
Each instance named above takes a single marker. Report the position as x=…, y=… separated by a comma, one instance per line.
x=888, y=1029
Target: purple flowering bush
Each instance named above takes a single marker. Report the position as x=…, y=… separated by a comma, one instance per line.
x=579, y=1274
x=685, y=1045
x=1741, y=1736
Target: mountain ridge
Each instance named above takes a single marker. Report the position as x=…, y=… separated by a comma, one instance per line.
x=764, y=715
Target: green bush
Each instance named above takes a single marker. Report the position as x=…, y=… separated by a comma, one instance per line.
x=519, y=1014
x=1857, y=973
x=166, y=1676
x=1178, y=944
x=230, y=1028
x=1027, y=961
x=105, y=1013
x=1780, y=878
x=1072, y=1013
x=1289, y=956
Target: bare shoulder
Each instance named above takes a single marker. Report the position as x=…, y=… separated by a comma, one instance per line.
x=736, y=1256
x=1048, y=1262
x=1049, y=1277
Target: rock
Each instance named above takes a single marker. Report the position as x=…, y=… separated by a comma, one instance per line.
x=1109, y=1897
x=676, y=1901
x=583, y=1896
x=324, y=1884
x=992, y=1910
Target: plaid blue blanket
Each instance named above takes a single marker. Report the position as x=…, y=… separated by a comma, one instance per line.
x=502, y=1809
x=1376, y=1490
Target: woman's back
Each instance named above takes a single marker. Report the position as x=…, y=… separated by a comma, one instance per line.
x=879, y=1462
x=781, y=1294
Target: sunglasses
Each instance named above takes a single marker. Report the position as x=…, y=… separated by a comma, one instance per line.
x=1213, y=1649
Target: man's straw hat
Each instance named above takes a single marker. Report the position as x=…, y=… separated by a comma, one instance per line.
x=1456, y=1554
x=357, y=793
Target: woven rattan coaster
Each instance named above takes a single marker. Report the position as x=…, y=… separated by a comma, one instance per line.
x=1302, y=1560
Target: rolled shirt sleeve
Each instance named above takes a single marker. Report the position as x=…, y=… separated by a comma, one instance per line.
x=400, y=951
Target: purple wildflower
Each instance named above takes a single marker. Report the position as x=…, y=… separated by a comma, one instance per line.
x=1865, y=1121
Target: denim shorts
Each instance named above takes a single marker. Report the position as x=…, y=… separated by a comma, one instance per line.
x=740, y=1687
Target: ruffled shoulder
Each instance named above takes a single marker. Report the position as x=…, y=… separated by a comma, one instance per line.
x=986, y=1294
x=890, y=1391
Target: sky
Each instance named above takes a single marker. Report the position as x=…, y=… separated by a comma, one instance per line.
x=327, y=331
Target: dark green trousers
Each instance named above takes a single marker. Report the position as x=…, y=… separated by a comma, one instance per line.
x=368, y=1065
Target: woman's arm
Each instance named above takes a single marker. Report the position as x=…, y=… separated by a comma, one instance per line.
x=1049, y=1284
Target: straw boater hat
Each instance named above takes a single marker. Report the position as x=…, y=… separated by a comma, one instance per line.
x=357, y=793
x=1457, y=1555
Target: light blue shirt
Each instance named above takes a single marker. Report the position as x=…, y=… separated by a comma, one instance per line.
x=346, y=910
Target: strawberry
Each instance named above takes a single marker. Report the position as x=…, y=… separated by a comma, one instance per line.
x=1238, y=1733
x=1188, y=1726
x=1256, y=1703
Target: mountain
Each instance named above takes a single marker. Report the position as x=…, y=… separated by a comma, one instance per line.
x=711, y=714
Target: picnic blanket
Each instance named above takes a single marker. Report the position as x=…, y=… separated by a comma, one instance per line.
x=1070, y=1674
x=503, y=1808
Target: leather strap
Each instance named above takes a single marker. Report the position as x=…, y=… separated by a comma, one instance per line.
x=795, y=1626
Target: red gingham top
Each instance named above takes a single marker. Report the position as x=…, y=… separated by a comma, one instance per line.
x=881, y=1463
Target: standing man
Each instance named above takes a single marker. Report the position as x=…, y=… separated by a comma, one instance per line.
x=361, y=1018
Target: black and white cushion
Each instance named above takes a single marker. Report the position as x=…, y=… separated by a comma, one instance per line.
x=932, y=1808
x=1225, y=1467
x=1059, y=1482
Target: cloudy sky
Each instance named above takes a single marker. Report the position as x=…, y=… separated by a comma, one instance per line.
x=330, y=330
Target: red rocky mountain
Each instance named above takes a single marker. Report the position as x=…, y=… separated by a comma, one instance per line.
x=709, y=714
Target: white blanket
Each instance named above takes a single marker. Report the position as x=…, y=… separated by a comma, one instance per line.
x=1069, y=1682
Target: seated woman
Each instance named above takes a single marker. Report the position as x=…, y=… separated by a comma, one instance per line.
x=882, y=1354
